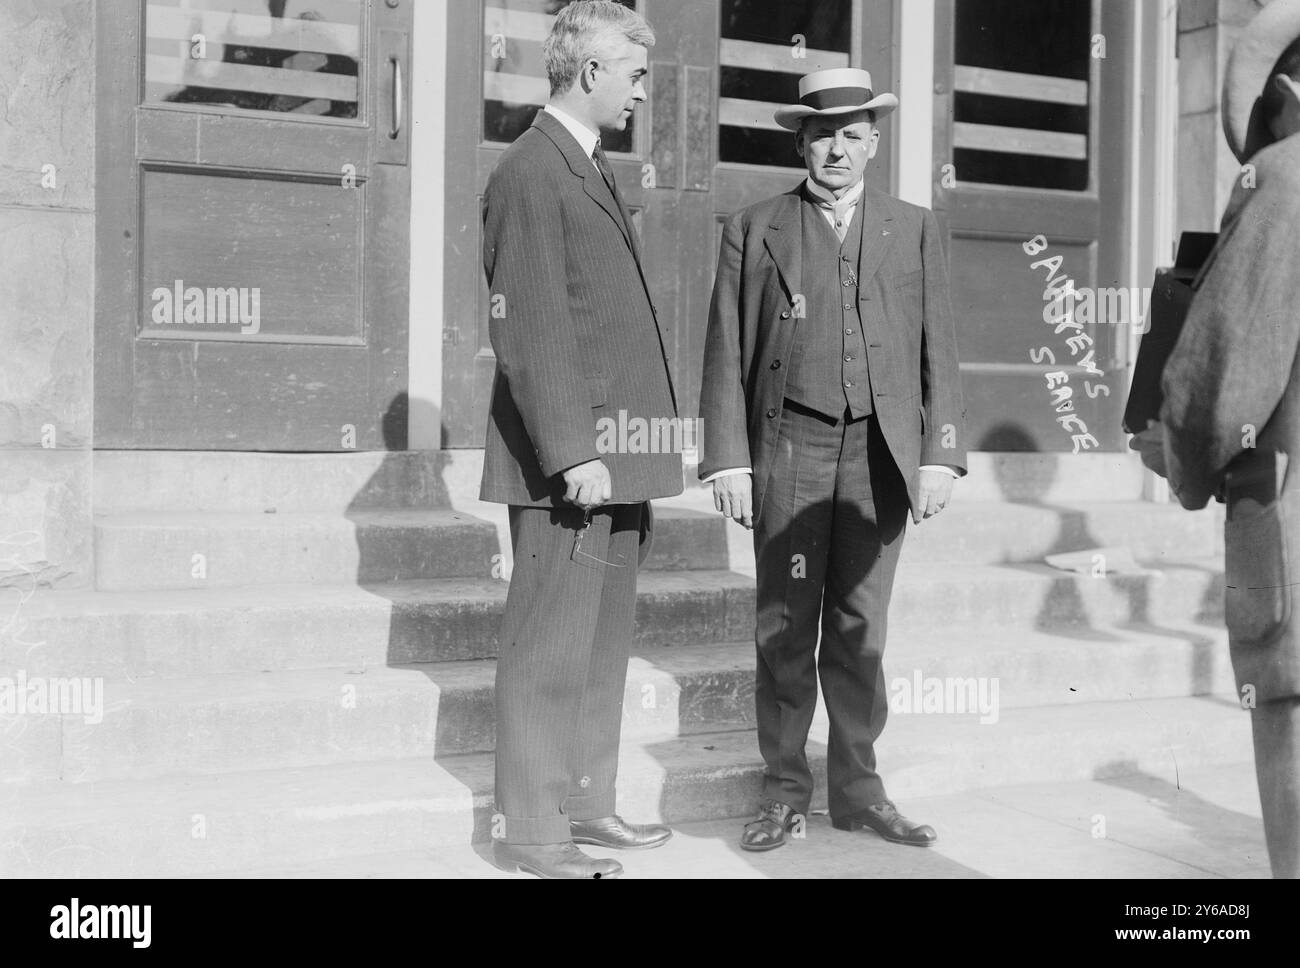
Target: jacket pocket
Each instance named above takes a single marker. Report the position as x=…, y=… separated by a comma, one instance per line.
x=1257, y=599
x=910, y=279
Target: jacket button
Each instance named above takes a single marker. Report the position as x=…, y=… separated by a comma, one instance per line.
x=771, y=413
x=776, y=365
x=785, y=315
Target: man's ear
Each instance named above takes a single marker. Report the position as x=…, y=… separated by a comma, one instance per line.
x=587, y=76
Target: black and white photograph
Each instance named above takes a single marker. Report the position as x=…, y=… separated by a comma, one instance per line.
x=695, y=440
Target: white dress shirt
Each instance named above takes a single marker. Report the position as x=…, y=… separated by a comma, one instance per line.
x=586, y=138
x=852, y=197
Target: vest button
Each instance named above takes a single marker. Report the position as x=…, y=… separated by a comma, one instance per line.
x=848, y=332
x=848, y=307
x=771, y=413
x=776, y=365
x=848, y=384
x=848, y=359
x=847, y=283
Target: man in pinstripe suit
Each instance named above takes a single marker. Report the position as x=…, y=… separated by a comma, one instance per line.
x=577, y=343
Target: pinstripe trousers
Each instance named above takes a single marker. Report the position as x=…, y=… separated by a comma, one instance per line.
x=827, y=544
x=562, y=667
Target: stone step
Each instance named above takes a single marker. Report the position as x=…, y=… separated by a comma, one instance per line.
x=231, y=482
x=253, y=482
x=210, y=824
x=195, y=632
x=215, y=724
x=994, y=533
x=139, y=550
x=176, y=549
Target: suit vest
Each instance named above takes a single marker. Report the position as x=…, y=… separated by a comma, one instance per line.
x=828, y=369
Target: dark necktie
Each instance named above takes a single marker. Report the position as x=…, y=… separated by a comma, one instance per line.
x=607, y=173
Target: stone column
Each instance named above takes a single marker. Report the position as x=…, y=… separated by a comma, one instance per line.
x=47, y=256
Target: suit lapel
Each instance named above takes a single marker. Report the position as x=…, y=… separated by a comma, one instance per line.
x=593, y=183
x=784, y=242
x=877, y=233
x=582, y=166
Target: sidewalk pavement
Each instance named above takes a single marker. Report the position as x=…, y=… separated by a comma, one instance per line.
x=1204, y=825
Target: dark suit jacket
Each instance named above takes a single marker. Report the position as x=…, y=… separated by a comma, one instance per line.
x=572, y=326
x=906, y=318
x=1232, y=405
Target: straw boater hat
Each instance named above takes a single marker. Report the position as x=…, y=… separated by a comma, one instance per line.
x=1250, y=69
x=842, y=90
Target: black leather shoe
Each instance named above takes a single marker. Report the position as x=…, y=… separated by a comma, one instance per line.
x=617, y=834
x=553, y=861
x=775, y=820
x=885, y=820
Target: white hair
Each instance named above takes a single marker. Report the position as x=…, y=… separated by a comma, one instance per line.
x=584, y=30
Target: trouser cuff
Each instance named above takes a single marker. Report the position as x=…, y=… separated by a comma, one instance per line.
x=590, y=807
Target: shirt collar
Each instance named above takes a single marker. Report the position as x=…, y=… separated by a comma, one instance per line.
x=585, y=137
x=851, y=197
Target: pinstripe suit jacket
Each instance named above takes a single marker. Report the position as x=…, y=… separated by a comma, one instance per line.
x=906, y=317
x=577, y=343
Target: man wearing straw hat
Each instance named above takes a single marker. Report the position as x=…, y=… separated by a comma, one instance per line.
x=1230, y=424
x=832, y=396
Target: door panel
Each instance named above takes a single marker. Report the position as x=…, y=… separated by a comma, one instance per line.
x=703, y=147
x=253, y=248
x=1030, y=141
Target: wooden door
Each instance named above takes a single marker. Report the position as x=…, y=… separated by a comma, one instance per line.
x=253, y=228
x=703, y=147
x=1032, y=141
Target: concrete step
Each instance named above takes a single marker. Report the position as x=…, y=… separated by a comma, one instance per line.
x=137, y=550
x=189, y=632
x=252, y=482
x=179, y=549
x=194, y=632
x=221, y=481
x=210, y=824
x=993, y=533
x=214, y=724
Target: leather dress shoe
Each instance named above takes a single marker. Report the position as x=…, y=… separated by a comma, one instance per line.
x=775, y=820
x=553, y=861
x=617, y=834
x=885, y=820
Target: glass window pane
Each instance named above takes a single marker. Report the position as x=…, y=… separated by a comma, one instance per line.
x=514, y=76
x=766, y=46
x=1021, y=111
x=288, y=56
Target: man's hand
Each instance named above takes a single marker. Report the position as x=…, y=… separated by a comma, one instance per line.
x=1151, y=445
x=936, y=492
x=588, y=485
x=734, y=497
